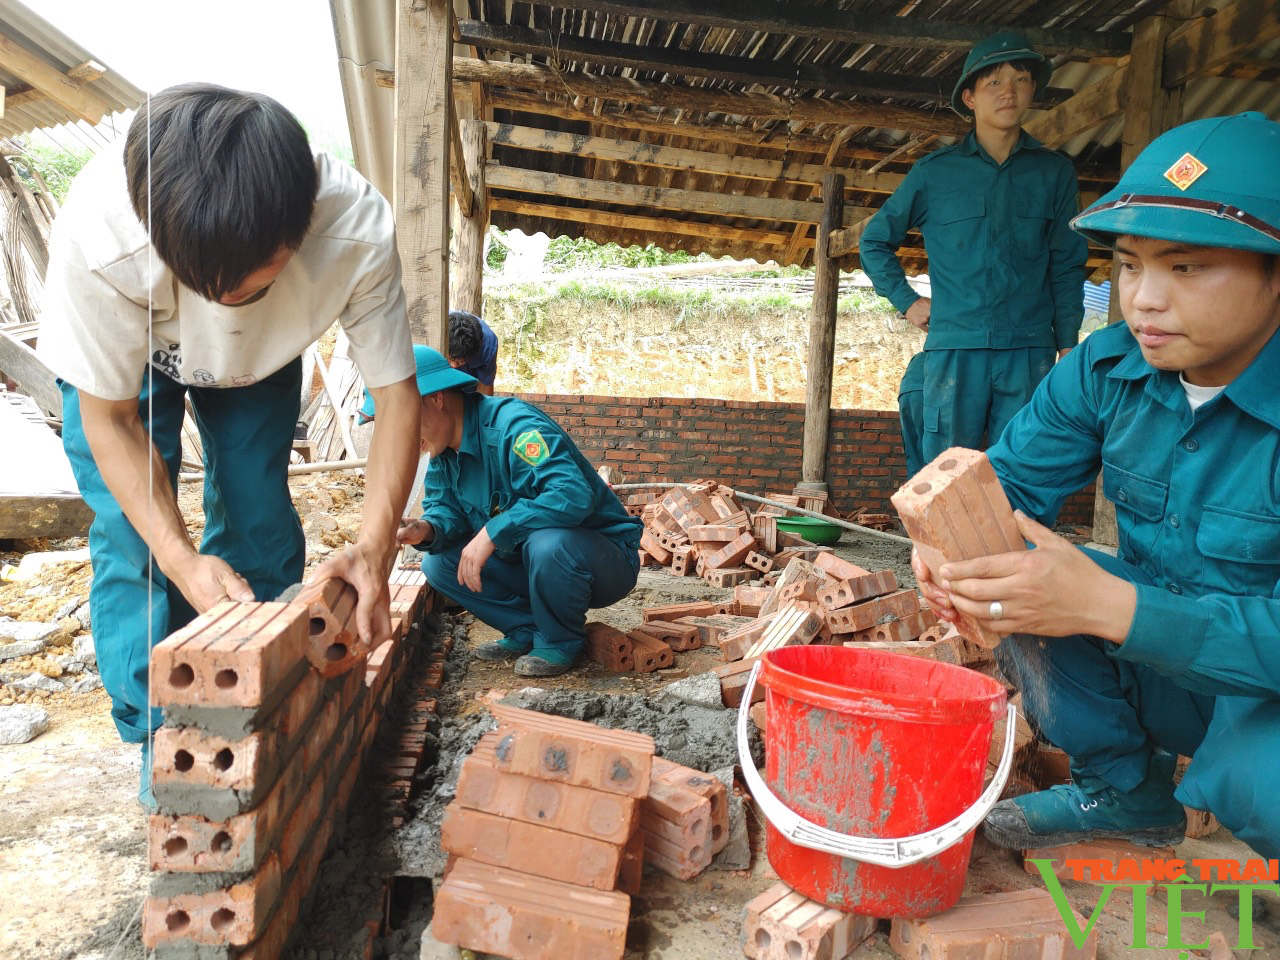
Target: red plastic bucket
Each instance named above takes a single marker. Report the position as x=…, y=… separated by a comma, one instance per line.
x=875, y=744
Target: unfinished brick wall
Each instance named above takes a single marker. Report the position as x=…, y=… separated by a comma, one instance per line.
x=754, y=446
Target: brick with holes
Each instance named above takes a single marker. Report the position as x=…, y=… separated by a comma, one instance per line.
x=1000, y=926
x=705, y=785
x=781, y=924
x=335, y=645
x=649, y=653
x=862, y=616
x=677, y=636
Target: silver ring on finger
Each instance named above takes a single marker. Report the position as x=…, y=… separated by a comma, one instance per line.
x=996, y=610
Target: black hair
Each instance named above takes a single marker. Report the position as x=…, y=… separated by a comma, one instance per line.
x=229, y=179
x=1025, y=65
x=465, y=335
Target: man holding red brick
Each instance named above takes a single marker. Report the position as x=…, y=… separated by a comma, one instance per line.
x=517, y=526
x=1174, y=646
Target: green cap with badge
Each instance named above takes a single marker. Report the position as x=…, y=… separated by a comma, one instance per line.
x=1211, y=183
x=1000, y=48
x=434, y=374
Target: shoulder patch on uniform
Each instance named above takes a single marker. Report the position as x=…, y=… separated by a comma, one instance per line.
x=531, y=448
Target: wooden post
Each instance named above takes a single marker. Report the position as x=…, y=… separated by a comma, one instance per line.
x=1150, y=110
x=468, y=283
x=822, y=335
x=424, y=64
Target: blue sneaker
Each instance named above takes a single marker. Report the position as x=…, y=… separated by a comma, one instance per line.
x=1089, y=808
x=145, y=795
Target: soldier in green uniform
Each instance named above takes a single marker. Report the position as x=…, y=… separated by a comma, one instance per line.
x=1174, y=646
x=1004, y=266
x=517, y=526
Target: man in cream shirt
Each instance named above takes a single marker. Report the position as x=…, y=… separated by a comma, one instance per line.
x=201, y=264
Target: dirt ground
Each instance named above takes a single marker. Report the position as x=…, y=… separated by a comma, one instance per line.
x=72, y=841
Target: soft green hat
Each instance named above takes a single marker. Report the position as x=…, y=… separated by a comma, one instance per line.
x=1000, y=48
x=434, y=374
x=1211, y=183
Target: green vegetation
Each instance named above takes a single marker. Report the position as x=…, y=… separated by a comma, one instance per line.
x=57, y=167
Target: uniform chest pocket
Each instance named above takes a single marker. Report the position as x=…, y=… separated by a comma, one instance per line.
x=1238, y=537
x=1138, y=495
x=955, y=221
x=1031, y=215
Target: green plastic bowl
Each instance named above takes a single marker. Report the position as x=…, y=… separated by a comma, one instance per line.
x=811, y=529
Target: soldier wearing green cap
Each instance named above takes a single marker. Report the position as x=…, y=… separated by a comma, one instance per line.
x=517, y=526
x=1173, y=647
x=1005, y=269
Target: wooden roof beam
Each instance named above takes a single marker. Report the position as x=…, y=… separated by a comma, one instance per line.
x=675, y=158
x=48, y=80
x=1097, y=102
x=730, y=103
x=85, y=73
x=1208, y=41
x=854, y=26
x=691, y=63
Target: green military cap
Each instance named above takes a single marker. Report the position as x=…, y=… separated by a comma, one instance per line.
x=1210, y=183
x=1000, y=48
x=434, y=374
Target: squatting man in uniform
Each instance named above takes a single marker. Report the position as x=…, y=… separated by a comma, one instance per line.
x=1177, y=649
x=199, y=265
x=517, y=526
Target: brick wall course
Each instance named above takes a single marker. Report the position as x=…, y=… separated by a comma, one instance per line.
x=753, y=445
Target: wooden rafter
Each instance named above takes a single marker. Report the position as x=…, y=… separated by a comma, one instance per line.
x=673, y=60
x=828, y=23
x=1207, y=42
x=59, y=87
x=87, y=72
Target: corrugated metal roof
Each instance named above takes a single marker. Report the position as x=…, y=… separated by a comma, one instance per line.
x=36, y=35
x=366, y=41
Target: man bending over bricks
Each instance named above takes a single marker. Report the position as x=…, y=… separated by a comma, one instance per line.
x=517, y=526
x=198, y=266
x=1174, y=646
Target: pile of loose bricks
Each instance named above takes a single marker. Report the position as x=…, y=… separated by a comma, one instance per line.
x=269, y=709
x=550, y=827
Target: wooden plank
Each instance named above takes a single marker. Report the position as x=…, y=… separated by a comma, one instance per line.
x=658, y=226
x=458, y=171
x=85, y=73
x=52, y=82
x=854, y=26
x=731, y=102
x=692, y=161
x=801, y=231
x=32, y=222
x=1205, y=42
x=510, y=38
x=1093, y=105
x=424, y=57
x=33, y=378
x=467, y=282
x=38, y=496
x=845, y=241
x=822, y=337
x=500, y=177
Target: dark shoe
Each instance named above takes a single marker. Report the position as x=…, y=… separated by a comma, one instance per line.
x=532, y=666
x=1089, y=808
x=495, y=650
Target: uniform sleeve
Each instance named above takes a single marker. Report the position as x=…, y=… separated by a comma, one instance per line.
x=441, y=509
x=1053, y=446
x=1216, y=644
x=549, y=489
x=1067, y=254
x=878, y=246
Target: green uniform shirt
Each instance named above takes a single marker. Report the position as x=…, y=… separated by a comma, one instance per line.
x=515, y=472
x=1197, y=504
x=1005, y=268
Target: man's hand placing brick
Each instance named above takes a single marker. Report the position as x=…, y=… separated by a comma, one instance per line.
x=1041, y=591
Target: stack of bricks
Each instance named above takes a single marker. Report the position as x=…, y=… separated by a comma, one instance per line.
x=268, y=710
x=684, y=819
x=545, y=840
x=702, y=530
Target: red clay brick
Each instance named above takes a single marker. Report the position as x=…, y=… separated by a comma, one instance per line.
x=734, y=646
x=236, y=655
x=862, y=616
x=705, y=785
x=1113, y=851
x=781, y=924
x=837, y=568
x=649, y=543
x=677, y=636
x=489, y=909
x=732, y=554
x=1018, y=925
x=955, y=509
x=712, y=629
x=570, y=751
x=483, y=786
x=530, y=848
x=759, y=561
x=793, y=625
x=848, y=592
x=631, y=873
x=793, y=571
x=765, y=528
x=649, y=653
x=713, y=532
x=335, y=646
x=726, y=577
x=236, y=915
x=759, y=717
x=939, y=650
x=673, y=611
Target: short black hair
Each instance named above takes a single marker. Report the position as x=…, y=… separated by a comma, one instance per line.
x=222, y=180
x=1025, y=65
x=465, y=335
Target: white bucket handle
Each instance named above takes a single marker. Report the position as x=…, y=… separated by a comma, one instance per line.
x=900, y=852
